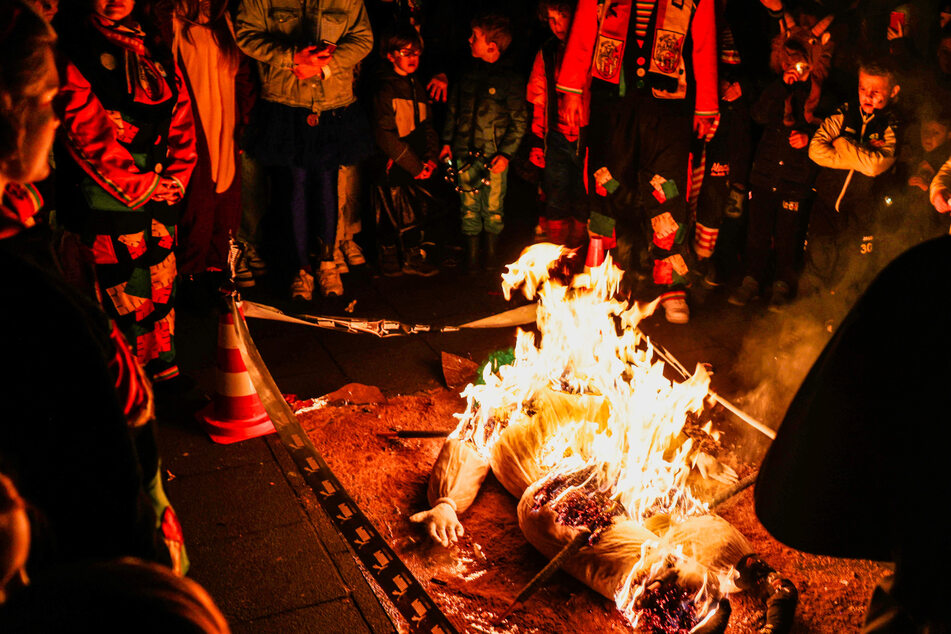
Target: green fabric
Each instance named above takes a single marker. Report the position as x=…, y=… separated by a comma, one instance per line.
x=487, y=111
x=101, y=200
x=601, y=225
x=670, y=189
x=482, y=210
x=139, y=284
x=681, y=234
x=496, y=360
x=611, y=186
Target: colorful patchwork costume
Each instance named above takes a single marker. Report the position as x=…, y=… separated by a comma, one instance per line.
x=127, y=121
x=648, y=80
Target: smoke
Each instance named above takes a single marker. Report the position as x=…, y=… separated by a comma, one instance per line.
x=781, y=347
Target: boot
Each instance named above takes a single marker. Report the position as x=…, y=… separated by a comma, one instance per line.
x=491, y=247
x=779, y=593
x=558, y=231
x=472, y=254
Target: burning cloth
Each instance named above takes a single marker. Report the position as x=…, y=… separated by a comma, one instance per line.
x=588, y=433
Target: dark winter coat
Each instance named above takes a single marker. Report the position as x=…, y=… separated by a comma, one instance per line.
x=402, y=124
x=777, y=163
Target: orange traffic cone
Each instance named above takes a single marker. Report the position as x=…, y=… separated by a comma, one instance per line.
x=236, y=413
x=595, y=252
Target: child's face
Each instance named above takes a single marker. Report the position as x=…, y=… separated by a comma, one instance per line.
x=933, y=135
x=559, y=22
x=875, y=92
x=405, y=60
x=115, y=10
x=480, y=48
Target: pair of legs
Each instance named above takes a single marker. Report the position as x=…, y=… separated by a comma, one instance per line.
x=637, y=175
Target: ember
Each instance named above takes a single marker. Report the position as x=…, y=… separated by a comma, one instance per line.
x=667, y=607
x=578, y=502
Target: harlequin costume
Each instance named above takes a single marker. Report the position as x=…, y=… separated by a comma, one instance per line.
x=127, y=121
x=635, y=55
x=85, y=459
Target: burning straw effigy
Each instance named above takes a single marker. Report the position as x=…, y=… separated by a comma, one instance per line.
x=584, y=429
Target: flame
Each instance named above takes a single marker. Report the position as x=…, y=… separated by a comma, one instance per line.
x=590, y=344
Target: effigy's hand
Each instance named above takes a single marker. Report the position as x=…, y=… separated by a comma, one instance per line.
x=712, y=469
x=441, y=521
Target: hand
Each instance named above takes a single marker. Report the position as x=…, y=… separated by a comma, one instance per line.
x=310, y=61
x=573, y=108
x=537, y=157
x=730, y=91
x=428, y=168
x=443, y=525
x=705, y=126
x=798, y=140
x=498, y=164
x=438, y=87
x=940, y=200
x=712, y=469
x=772, y=5
x=919, y=182
x=167, y=191
x=840, y=143
x=895, y=33
x=445, y=153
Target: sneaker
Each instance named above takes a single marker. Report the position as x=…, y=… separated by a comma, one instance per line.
x=748, y=291
x=417, y=264
x=340, y=260
x=254, y=261
x=780, y=297
x=390, y=262
x=676, y=310
x=352, y=252
x=243, y=278
x=303, y=286
x=330, y=282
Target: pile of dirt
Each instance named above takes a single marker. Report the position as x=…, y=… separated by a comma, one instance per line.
x=474, y=581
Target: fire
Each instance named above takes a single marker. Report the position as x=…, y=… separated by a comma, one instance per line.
x=625, y=448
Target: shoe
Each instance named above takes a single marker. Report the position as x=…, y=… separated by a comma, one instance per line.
x=243, y=277
x=417, y=264
x=780, y=297
x=303, y=286
x=254, y=261
x=340, y=260
x=676, y=310
x=352, y=252
x=748, y=291
x=390, y=262
x=329, y=279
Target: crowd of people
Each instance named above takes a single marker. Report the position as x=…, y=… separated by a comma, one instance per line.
x=704, y=143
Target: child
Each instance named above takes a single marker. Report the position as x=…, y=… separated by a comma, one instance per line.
x=556, y=144
x=852, y=147
x=484, y=125
x=782, y=175
x=404, y=131
x=927, y=150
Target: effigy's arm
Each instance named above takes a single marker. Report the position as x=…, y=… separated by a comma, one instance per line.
x=453, y=485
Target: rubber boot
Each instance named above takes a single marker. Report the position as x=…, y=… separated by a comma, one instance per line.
x=490, y=262
x=472, y=254
x=779, y=593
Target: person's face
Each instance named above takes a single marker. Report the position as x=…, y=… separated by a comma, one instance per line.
x=46, y=8
x=115, y=10
x=933, y=135
x=875, y=92
x=31, y=162
x=944, y=55
x=405, y=60
x=480, y=48
x=559, y=22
